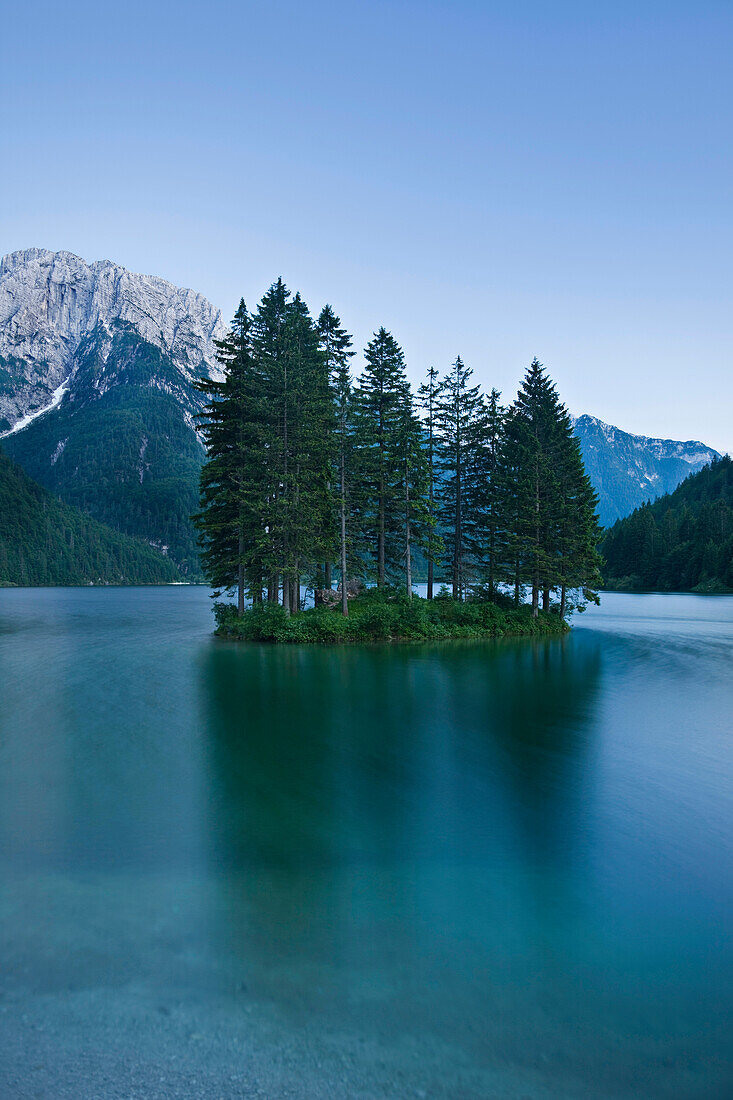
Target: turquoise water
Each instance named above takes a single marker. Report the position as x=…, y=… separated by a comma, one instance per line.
x=468, y=870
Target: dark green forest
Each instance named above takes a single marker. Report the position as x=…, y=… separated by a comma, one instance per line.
x=43, y=541
x=125, y=455
x=682, y=542
x=314, y=477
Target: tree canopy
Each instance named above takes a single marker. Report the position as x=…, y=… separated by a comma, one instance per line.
x=312, y=475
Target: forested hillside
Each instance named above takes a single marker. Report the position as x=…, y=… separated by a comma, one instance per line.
x=682, y=542
x=43, y=541
x=128, y=458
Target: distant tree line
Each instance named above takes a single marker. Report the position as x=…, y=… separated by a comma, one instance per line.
x=313, y=476
x=682, y=541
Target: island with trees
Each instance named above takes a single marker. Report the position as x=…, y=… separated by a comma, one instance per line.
x=353, y=490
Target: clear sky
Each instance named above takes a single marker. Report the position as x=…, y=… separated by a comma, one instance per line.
x=495, y=180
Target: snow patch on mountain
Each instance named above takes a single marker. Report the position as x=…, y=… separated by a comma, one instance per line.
x=51, y=301
x=56, y=398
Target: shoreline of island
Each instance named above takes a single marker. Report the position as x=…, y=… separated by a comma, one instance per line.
x=394, y=618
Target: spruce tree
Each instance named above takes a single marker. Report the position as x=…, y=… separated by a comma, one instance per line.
x=493, y=430
x=336, y=346
x=428, y=395
x=459, y=422
x=378, y=406
x=579, y=531
x=548, y=499
x=295, y=476
x=234, y=427
x=534, y=426
x=414, y=476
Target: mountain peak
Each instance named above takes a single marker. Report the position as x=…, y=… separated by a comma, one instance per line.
x=51, y=301
x=627, y=470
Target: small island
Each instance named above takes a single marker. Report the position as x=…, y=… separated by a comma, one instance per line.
x=386, y=615
x=349, y=490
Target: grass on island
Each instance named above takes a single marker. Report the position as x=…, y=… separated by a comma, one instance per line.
x=386, y=615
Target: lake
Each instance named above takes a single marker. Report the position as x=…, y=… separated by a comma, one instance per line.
x=462, y=870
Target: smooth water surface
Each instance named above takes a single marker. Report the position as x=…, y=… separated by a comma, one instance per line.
x=460, y=870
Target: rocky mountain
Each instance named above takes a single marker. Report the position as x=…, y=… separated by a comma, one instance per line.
x=96, y=390
x=54, y=307
x=628, y=470
x=97, y=401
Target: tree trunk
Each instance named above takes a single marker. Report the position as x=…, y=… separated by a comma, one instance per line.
x=431, y=535
x=295, y=591
x=380, y=535
x=458, y=550
x=408, y=548
x=380, y=539
x=562, y=602
x=545, y=599
x=536, y=572
x=240, y=578
x=240, y=590
x=344, y=594
x=287, y=584
x=327, y=573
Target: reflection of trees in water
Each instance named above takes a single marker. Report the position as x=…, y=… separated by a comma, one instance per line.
x=307, y=751
x=540, y=712
x=306, y=782
x=346, y=784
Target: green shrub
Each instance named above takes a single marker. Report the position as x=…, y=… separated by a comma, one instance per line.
x=384, y=615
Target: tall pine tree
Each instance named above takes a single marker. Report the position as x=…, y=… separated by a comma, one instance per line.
x=459, y=421
x=235, y=426
x=378, y=406
x=336, y=347
x=428, y=395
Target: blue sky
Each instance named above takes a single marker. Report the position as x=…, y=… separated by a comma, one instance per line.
x=495, y=180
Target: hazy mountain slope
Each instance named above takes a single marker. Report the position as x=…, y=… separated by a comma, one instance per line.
x=96, y=389
x=628, y=470
x=43, y=541
x=682, y=541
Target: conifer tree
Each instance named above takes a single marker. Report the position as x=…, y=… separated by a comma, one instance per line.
x=548, y=501
x=295, y=475
x=428, y=396
x=231, y=520
x=336, y=347
x=459, y=420
x=378, y=406
x=311, y=441
x=535, y=426
x=417, y=520
x=579, y=531
x=508, y=484
x=493, y=429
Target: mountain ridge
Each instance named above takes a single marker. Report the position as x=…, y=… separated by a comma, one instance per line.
x=51, y=301
x=627, y=470
x=98, y=402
